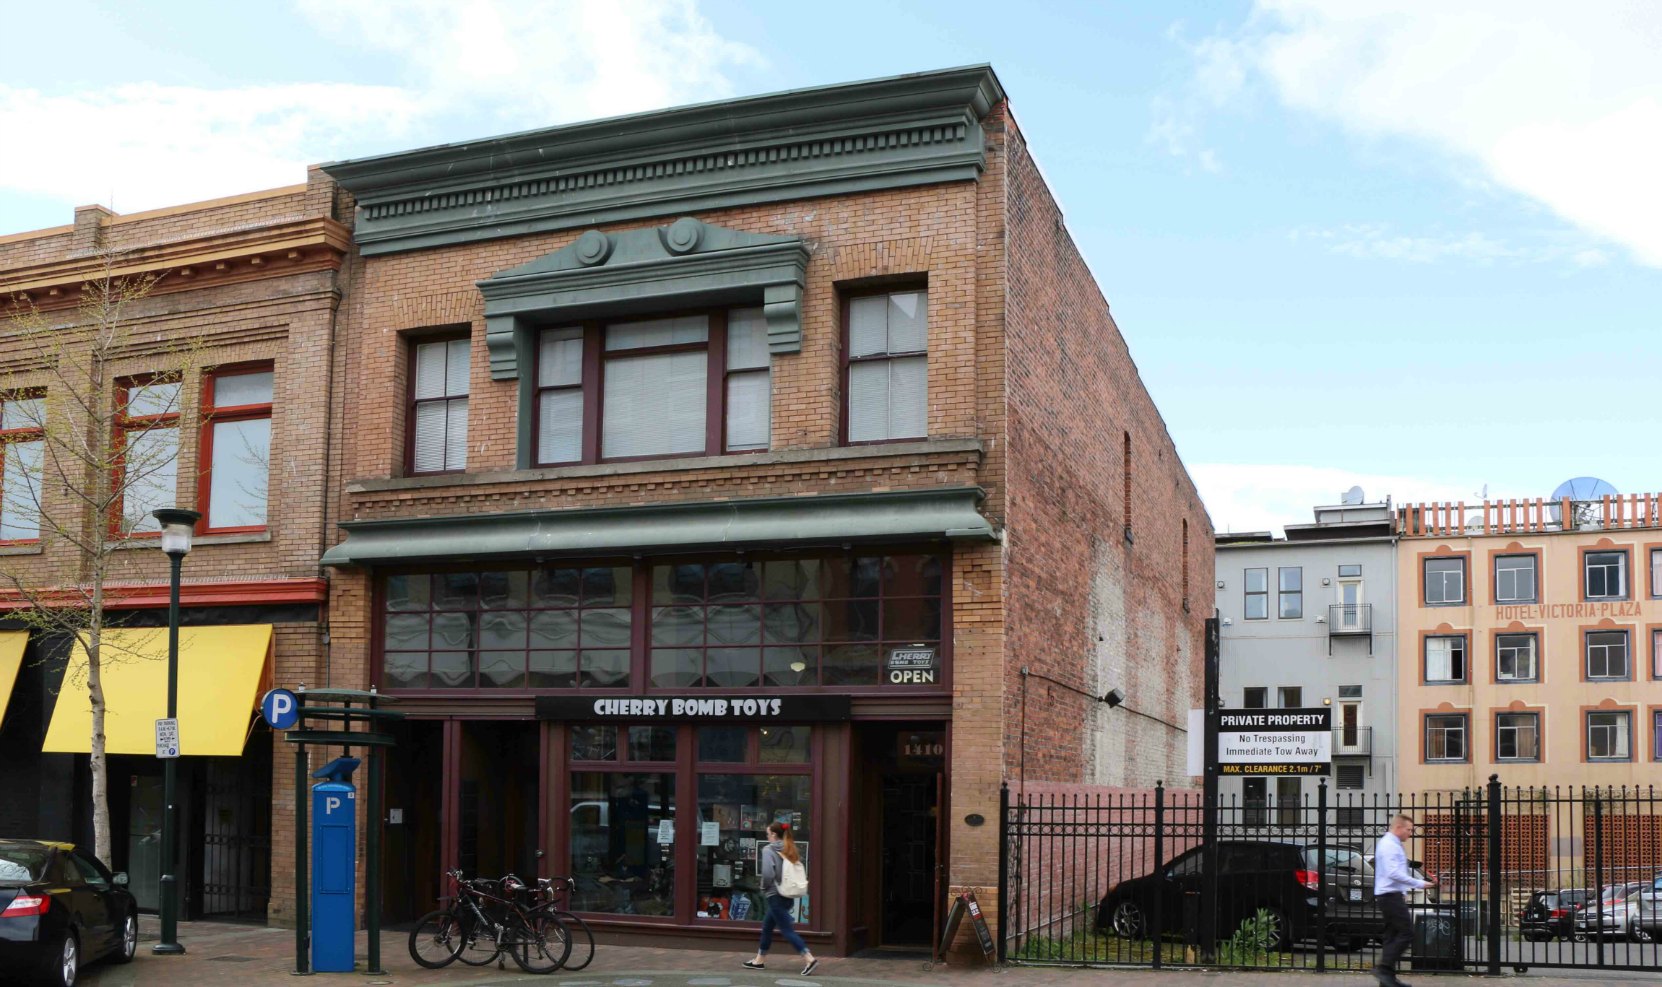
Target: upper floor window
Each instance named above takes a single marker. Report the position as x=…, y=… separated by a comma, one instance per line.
x=1445, y=737
x=147, y=451
x=439, y=383
x=1255, y=697
x=1607, y=656
x=1445, y=659
x=1610, y=735
x=1290, y=696
x=1257, y=594
x=236, y=448
x=1515, y=579
x=1350, y=572
x=1517, y=736
x=1445, y=581
x=22, y=442
x=888, y=366
x=1515, y=658
x=1290, y=595
x=1656, y=572
x=695, y=384
x=1605, y=576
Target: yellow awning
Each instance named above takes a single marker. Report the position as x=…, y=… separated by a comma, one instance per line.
x=220, y=669
x=11, y=659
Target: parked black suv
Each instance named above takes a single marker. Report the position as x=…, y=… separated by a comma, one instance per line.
x=1551, y=914
x=1280, y=877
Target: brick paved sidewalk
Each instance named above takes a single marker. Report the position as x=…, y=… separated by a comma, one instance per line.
x=255, y=956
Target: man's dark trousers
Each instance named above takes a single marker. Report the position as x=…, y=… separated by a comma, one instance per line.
x=1399, y=929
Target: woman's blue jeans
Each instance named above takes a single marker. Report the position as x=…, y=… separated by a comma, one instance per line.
x=779, y=916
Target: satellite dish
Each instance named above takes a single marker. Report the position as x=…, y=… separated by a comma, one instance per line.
x=1352, y=496
x=1584, y=488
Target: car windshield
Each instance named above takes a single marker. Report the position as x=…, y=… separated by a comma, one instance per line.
x=1574, y=897
x=21, y=864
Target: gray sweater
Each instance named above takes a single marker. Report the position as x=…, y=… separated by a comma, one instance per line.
x=772, y=867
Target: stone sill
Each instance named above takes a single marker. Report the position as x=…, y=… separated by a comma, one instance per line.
x=243, y=538
x=731, y=462
x=34, y=548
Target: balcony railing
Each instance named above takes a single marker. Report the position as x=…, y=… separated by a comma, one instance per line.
x=1529, y=515
x=1350, y=620
x=1355, y=742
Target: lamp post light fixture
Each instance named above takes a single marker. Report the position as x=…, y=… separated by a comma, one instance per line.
x=178, y=525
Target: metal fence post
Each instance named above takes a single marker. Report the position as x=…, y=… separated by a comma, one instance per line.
x=1003, y=872
x=1321, y=875
x=1494, y=875
x=1598, y=869
x=1157, y=926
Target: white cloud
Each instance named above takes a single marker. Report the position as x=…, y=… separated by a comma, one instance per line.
x=1378, y=241
x=1562, y=104
x=1247, y=497
x=497, y=64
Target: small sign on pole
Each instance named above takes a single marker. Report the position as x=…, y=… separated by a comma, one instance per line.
x=1275, y=741
x=167, y=737
x=280, y=709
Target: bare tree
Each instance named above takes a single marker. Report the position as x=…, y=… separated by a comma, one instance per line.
x=89, y=445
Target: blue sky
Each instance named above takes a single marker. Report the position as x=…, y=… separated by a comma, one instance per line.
x=1348, y=243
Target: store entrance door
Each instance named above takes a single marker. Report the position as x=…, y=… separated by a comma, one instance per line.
x=906, y=785
x=410, y=861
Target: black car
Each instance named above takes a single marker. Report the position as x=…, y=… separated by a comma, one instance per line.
x=1278, y=877
x=1551, y=914
x=60, y=909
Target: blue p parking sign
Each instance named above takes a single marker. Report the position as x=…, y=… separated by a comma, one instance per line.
x=280, y=708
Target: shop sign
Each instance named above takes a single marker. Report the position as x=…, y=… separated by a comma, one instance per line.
x=1275, y=741
x=697, y=709
x=913, y=665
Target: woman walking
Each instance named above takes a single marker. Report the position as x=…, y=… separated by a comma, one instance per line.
x=780, y=850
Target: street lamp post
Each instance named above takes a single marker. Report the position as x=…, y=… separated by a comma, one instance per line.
x=177, y=526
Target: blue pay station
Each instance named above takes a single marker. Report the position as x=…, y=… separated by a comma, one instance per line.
x=334, y=866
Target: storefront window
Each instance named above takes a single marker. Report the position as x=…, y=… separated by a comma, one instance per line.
x=737, y=803
x=623, y=842
x=762, y=622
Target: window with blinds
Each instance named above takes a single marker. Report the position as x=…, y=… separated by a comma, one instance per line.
x=655, y=397
x=438, y=406
x=749, y=389
x=888, y=366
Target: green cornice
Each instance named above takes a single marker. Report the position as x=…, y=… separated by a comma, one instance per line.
x=775, y=522
x=885, y=133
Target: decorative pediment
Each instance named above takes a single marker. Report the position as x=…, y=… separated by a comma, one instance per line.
x=686, y=263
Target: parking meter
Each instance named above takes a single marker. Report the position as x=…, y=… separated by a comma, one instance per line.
x=334, y=866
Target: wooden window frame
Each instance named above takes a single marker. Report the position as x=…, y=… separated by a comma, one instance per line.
x=1533, y=635
x=1540, y=737
x=414, y=342
x=1426, y=637
x=868, y=290
x=1465, y=718
x=1587, y=714
x=126, y=424
x=11, y=436
x=212, y=415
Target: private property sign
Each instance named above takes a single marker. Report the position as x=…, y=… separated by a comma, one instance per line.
x=1275, y=741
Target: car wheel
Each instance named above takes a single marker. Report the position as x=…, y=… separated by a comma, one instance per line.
x=1128, y=921
x=1637, y=933
x=127, y=948
x=1279, y=937
x=59, y=967
x=1579, y=936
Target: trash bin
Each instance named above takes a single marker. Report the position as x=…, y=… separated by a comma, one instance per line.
x=1437, y=937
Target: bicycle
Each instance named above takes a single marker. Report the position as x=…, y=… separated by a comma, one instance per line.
x=484, y=921
x=548, y=895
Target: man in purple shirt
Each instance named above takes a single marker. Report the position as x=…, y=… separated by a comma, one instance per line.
x=1391, y=879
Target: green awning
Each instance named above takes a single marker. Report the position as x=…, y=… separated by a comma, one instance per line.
x=777, y=521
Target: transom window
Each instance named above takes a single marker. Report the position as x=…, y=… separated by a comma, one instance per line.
x=147, y=447
x=1445, y=581
x=1610, y=735
x=236, y=445
x=1445, y=737
x=1515, y=579
x=763, y=621
x=1606, y=576
x=692, y=384
x=1607, y=655
x=1515, y=658
x=1445, y=659
x=439, y=381
x=888, y=366
x=22, y=442
x=1518, y=736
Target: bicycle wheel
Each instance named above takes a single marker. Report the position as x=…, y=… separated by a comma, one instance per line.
x=479, y=945
x=436, y=940
x=582, y=941
x=540, y=943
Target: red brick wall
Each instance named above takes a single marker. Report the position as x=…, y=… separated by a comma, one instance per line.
x=1088, y=606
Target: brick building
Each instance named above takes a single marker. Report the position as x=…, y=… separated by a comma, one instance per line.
x=727, y=464
x=221, y=373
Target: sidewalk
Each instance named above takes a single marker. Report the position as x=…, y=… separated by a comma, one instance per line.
x=255, y=956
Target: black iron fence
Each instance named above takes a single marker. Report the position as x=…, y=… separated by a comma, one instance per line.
x=1520, y=878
